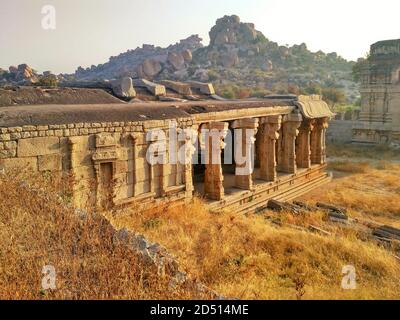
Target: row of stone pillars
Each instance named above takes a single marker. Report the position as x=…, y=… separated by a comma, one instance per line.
x=286, y=143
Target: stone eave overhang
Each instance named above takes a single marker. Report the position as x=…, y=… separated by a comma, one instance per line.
x=66, y=114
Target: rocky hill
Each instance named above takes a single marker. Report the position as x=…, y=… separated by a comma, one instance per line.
x=237, y=54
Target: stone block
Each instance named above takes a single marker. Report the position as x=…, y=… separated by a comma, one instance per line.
x=141, y=163
x=171, y=180
x=84, y=172
x=81, y=158
x=15, y=136
x=20, y=163
x=155, y=89
x=5, y=137
x=142, y=187
x=124, y=192
x=38, y=146
x=158, y=171
x=84, y=143
x=121, y=166
x=141, y=175
x=205, y=88
x=121, y=179
x=50, y=162
x=8, y=153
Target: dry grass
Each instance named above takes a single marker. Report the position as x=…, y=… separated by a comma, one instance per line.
x=378, y=152
x=349, y=167
x=246, y=257
x=37, y=229
x=369, y=189
x=367, y=182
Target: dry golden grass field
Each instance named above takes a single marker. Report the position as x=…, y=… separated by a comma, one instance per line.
x=245, y=257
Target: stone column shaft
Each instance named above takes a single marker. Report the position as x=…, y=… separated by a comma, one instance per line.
x=303, y=151
x=246, y=130
x=318, y=144
x=291, y=125
x=187, y=165
x=158, y=147
x=213, y=182
x=270, y=127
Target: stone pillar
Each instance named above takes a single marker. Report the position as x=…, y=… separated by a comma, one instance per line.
x=245, y=130
x=303, y=144
x=318, y=146
x=270, y=127
x=158, y=158
x=291, y=124
x=213, y=182
x=72, y=161
x=187, y=163
x=133, y=138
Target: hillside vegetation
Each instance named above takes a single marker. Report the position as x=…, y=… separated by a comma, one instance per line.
x=37, y=229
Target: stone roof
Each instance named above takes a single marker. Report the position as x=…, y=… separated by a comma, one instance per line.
x=314, y=107
x=63, y=114
x=39, y=96
x=38, y=106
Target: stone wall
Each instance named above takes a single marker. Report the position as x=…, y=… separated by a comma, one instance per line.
x=340, y=131
x=85, y=150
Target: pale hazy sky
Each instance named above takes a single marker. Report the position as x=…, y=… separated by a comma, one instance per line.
x=90, y=31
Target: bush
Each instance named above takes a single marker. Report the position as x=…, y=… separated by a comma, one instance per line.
x=48, y=81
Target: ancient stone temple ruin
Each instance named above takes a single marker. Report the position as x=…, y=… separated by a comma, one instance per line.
x=379, y=120
x=104, y=147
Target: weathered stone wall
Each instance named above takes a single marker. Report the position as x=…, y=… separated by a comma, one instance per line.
x=73, y=147
x=340, y=131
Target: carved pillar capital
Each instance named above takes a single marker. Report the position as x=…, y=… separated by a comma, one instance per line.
x=271, y=126
x=247, y=123
x=322, y=123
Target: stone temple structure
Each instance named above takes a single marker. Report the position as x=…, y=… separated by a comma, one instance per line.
x=379, y=120
x=105, y=147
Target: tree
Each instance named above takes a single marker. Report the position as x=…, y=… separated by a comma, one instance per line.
x=48, y=81
x=333, y=96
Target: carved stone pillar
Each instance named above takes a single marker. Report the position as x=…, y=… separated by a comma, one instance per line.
x=104, y=157
x=270, y=127
x=245, y=131
x=72, y=146
x=318, y=144
x=213, y=182
x=158, y=159
x=134, y=138
x=303, y=144
x=187, y=163
x=290, y=127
